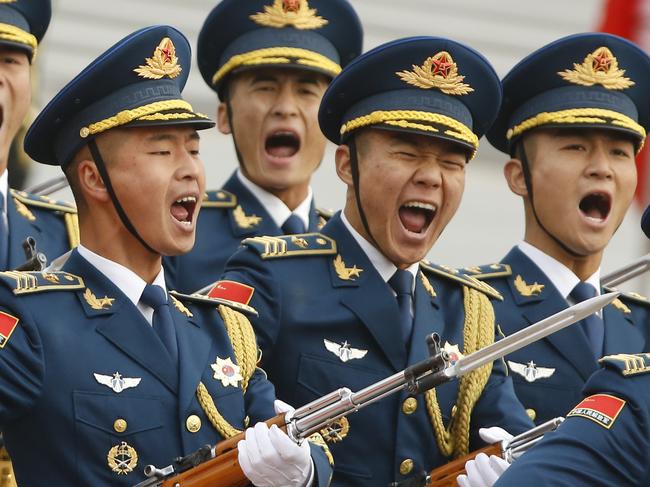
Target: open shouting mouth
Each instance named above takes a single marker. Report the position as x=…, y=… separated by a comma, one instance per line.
x=416, y=216
x=282, y=144
x=183, y=209
x=596, y=206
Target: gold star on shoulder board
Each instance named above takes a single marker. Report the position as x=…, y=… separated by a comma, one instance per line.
x=345, y=273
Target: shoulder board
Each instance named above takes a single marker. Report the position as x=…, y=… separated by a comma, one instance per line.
x=37, y=282
x=488, y=271
x=628, y=364
x=42, y=202
x=630, y=296
x=325, y=213
x=203, y=299
x=219, y=198
x=460, y=277
x=292, y=245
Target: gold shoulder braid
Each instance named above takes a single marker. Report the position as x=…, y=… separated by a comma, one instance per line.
x=72, y=227
x=242, y=337
x=478, y=333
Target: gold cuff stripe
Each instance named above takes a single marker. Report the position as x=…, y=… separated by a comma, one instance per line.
x=277, y=55
x=578, y=115
x=409, y=119
x=12, y=33
x=127, y=116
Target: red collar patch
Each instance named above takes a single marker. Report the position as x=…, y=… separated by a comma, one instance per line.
x=602, y=409
x=7, y=325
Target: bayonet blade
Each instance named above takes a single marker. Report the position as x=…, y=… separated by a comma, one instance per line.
x=529, y=335
x=627, y=272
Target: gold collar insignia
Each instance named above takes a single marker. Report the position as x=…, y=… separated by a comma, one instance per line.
x=527, y=290
x=97, y=303
x=163, y=62
x=438, y=71
x=243, y=220
x=181, y=307
x=427, y=285
x=345, y=273
x=23, y=210
x=294, y=13
x=598, y=68
x=620, y=305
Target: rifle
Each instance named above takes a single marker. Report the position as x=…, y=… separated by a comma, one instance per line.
x=217, y=465
x=35, y=260
x=509, y=450
x=627, y=272
x=48, y=187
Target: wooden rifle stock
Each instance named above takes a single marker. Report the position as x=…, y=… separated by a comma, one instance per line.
x=445, y=476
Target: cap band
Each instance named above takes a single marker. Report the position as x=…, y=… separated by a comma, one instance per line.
x=12, y=33
x=578, y=116
x=278, y=55
x=411, y=119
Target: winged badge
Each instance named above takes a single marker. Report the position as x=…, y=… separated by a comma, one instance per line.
x=344, y=351
x=530, y=371
x=116, y=382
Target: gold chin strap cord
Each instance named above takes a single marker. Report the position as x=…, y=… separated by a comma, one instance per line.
x=478, y=333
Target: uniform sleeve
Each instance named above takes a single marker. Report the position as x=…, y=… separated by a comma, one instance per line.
x=246, y=267
x=21, y=362
x=585, y=453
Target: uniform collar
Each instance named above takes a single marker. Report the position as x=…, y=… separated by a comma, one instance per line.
x=560, y=276
x=382, y=265
x=275, y=207
x=123, y=278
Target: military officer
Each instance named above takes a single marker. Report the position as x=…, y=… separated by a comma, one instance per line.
x=130, y=374
x=269, y=61
x=572, y=136
x=53, y=224
x=353, y=304
x=605, y=439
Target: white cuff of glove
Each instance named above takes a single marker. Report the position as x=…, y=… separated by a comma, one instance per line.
x=494, y=434
x=483, y=471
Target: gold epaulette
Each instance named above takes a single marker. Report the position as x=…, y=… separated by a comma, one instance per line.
x=219, y=198
x=36, y=282
x=628, y=364
x=460, y=277
x=630, y=296
x=203, y=299
x=488, y=271
x=292, y=245
x=42, y=202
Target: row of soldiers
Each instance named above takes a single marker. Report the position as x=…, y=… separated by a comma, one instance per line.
x=104, y=369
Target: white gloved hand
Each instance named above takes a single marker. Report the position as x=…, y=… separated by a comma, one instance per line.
x=494, y=434
x=483, y=471
x=269, y=458
x=282, y=407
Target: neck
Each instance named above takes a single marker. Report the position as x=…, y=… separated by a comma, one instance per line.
x=112, y=241
x=583, y=267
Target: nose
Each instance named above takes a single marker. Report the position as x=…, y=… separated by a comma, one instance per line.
x=428, y=175
x=191, y=166
x=285, y=104
x=599, y=165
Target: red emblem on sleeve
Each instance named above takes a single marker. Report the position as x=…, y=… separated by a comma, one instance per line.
x=232, y=291
x=600, y=408
x=7, y=325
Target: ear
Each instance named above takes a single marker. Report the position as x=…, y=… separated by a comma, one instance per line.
x=344, y=164
x=223, y=123
x=91, y=182
x=514, y=174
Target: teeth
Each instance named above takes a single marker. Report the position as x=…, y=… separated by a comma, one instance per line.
x=187, y=224
x=186, y=199
x=284, y=132
x=419, y=204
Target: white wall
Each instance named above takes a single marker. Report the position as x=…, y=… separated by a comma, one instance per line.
x=490, y=219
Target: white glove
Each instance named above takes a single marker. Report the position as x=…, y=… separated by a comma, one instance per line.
x=483, y=471
x=283, y=407
x=269, y=458
x=494, y=434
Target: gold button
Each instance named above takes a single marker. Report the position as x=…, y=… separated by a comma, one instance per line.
x=221, y=195
x=410, y=405
x=120, y=425
x=532, y=414
x=193, y=423
x=406, y=466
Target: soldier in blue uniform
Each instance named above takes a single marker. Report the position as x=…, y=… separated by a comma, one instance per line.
x=102, y=371
x=53, y=224
x=353, y=304
x=270, y=62
x=605, y=439
x=572, y=136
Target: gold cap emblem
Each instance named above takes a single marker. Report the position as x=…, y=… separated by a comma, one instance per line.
x=289, y=13
x=438, y=71
x=163, y=62
x=598, y=68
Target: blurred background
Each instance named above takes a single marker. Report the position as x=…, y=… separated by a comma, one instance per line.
x=490, y=219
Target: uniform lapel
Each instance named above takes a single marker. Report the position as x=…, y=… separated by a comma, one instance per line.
x=314, y=218
x=121, y=323
x=570, y=342
x=427, y=319
x=21, y=226
x=621, y=333
x=250, y=206
x=367, y=295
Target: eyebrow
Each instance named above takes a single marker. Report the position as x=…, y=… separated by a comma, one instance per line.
x=172, y=137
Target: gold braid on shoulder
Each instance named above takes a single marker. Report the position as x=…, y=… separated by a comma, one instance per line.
x=242, y=338
x=478, y=333
x=72, y=227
